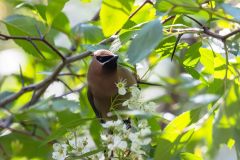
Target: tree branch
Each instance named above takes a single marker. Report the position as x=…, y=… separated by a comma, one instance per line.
x=46, y=82
x=31, y=39
x=207, y=31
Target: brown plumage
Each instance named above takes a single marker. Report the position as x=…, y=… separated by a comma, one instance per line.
x=103, y=74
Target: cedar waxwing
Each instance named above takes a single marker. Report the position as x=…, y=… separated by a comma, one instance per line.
x=103, y=74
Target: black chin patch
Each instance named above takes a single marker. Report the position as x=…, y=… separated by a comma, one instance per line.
x=104, y=59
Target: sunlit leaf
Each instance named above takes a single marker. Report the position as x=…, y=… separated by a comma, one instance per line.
x=192, y=56
x=189, y=156
x=53, y=9
x=114, y=14
x=207, y=60
x=174, y=137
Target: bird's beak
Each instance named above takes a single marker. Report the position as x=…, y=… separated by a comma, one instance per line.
x=111, y=63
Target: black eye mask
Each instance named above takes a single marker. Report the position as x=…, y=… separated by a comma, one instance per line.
x=103, y=59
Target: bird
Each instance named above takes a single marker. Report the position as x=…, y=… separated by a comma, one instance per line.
x=103, y=74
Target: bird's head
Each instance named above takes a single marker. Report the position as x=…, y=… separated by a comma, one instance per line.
x=106, y=59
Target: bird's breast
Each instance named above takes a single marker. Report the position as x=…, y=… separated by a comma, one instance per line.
x=103, y=86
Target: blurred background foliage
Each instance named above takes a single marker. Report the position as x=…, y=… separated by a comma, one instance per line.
x=200, y=86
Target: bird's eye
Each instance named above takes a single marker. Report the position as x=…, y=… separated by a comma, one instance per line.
x=103, y=59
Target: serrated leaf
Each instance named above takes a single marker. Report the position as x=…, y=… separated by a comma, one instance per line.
x=114, y=14
x=146, y=40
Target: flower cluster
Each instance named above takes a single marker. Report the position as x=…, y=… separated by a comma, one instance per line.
x=75, y=145
x=119, y=140
x=135, y=102
x=124, y=142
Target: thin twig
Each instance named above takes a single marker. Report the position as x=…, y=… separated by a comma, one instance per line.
x=73, y=91
x=65, y=84
x=167, y=19
x=231, y=34
x=39, y=32
x=72, y=74
x=37, y=49
x=53, y=48
x=27, y=38
x=207, y=31
x=149, y=83
x=227, y=64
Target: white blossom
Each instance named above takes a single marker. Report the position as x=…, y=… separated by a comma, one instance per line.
x=150, y=107
x=117, y=143
x=133, y=103
x=110, y=124
x=142, y=123
x=121, y=85
x=78, y=142
x=135, y=91
x=60, y=151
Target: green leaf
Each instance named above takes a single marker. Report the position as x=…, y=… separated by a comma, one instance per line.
x=145, y=14
x=192, y=3
x=114, y=14
x=61, y=23
x=53, y=9
x=87, y=154
x=62, y=104
x=180, y=7
x=73, y=123
x=233, y=11
x=174, y=136
x=165, y=47
x=189, y=156
x=19, y=25
x=207, y=60
x=28, y=28
x=85, y=107
x=195, y=74
x=86, y=1
x=145, y=42
x=20, y=145
x=192, y=56
x=87, y=33
x=95, y=131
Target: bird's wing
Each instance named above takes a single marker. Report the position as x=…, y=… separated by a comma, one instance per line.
x=91, y=100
